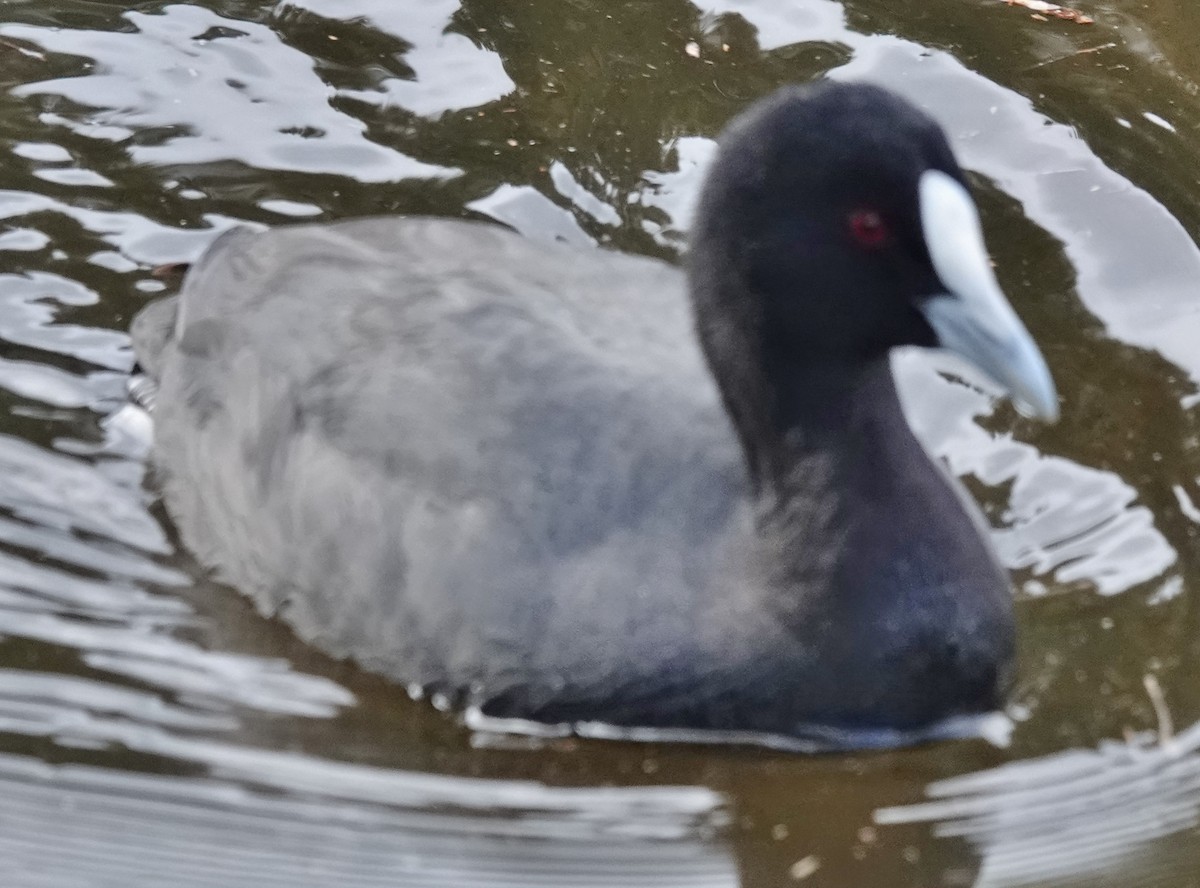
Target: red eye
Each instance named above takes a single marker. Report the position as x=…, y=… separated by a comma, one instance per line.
x=868, y=228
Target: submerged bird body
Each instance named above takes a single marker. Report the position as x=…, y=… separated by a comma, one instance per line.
x=514, y=474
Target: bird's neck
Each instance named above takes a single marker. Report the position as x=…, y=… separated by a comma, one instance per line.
x=806, y=427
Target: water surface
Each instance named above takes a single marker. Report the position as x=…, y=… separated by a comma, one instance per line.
x=151, y=722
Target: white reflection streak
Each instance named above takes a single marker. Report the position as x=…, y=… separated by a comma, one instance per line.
x=586, y=202
x=1067, y=815
x=526, y=210
x=450, y=72
x=1186, y=506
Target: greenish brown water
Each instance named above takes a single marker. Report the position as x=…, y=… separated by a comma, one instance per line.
x=155, y=730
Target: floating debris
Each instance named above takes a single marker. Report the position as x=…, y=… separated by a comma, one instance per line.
x=1041, y=9
x=805, y=867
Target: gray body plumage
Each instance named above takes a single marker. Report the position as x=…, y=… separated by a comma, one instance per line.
x=502, y=470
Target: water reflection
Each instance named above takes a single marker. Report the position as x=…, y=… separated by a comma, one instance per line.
x=188, y=86
x=149, y=720
x=446, y=70
x=264, y=818
x=1075, y=817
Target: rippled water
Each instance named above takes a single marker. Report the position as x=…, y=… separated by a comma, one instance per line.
x=155, y=730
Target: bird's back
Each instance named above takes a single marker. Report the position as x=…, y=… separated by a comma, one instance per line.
x=456, y=455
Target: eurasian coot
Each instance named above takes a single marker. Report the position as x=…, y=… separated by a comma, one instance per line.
x=568, y=485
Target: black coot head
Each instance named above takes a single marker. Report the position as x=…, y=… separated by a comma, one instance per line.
x=835, y=224
x=813, y=199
